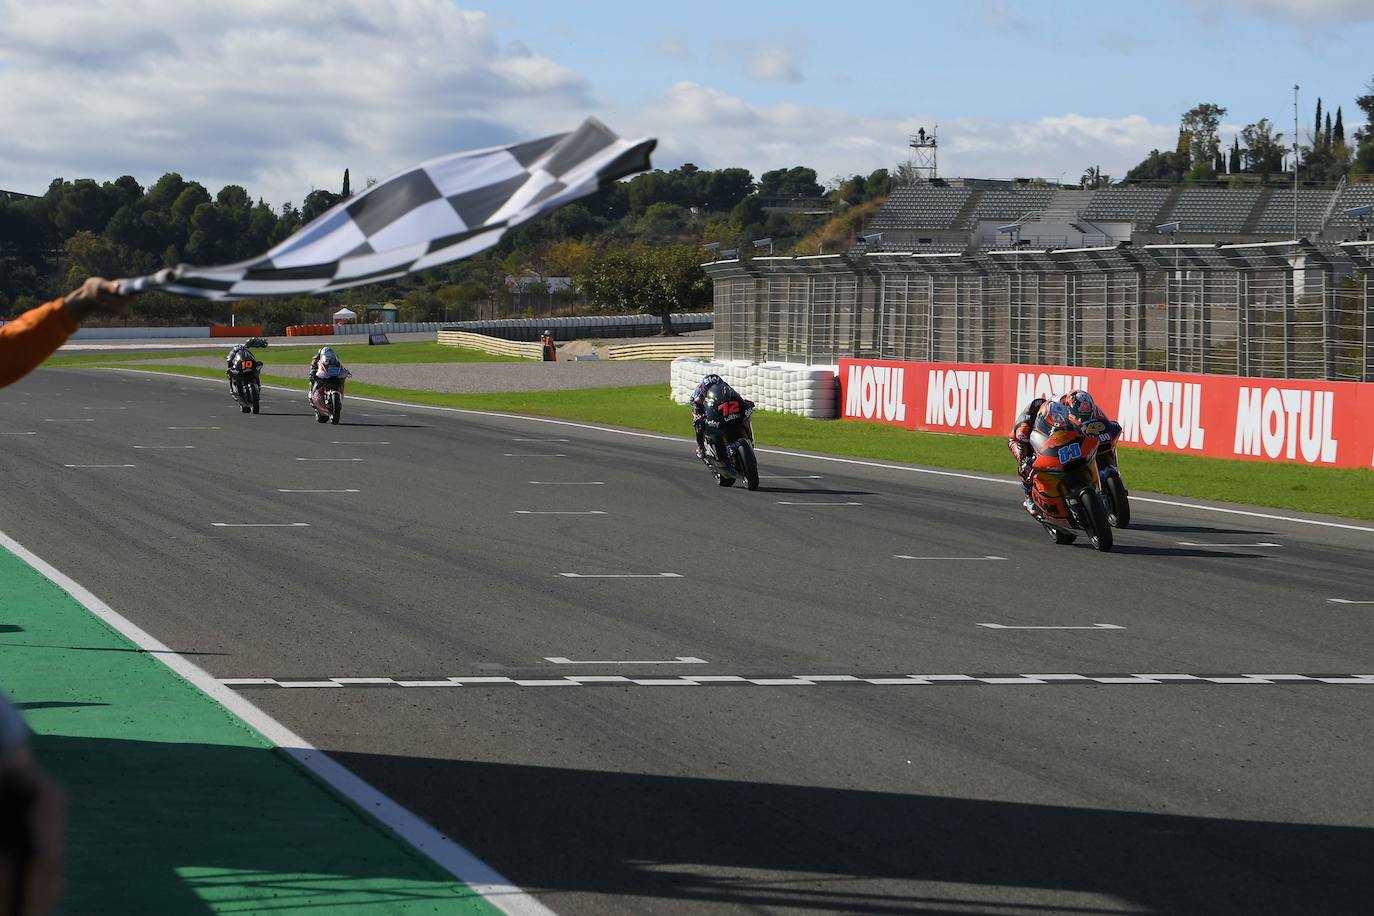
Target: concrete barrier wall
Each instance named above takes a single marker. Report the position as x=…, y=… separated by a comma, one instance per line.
x=582, y=328
x=390, y=327
x=138, y=333
x=810, y=391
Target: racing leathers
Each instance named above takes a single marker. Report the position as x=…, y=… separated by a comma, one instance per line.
x=239, y=353
x=324, y=358
x=698, y=401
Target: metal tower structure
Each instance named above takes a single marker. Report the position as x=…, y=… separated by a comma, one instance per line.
x=924, y=154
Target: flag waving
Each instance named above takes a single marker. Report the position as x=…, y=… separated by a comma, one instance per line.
x=443, y=210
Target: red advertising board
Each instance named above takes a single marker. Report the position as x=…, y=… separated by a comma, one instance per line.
x=1304, y=422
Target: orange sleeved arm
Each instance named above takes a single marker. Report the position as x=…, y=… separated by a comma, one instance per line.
x=31, y=338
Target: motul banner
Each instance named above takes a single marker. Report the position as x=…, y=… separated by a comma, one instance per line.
x=1317, y=423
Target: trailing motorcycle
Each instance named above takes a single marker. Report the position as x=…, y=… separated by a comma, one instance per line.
x=1114, y=492
x=729, y=439
x=245, y=380
x=1065, y=484
x=327, y=395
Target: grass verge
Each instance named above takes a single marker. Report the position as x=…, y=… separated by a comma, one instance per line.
x=1345, y=492
x=420, y=351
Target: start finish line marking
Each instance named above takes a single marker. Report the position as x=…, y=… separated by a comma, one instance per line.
x=805, y=680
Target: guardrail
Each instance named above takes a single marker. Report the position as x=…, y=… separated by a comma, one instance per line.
x=700, y=346
x=486, y=344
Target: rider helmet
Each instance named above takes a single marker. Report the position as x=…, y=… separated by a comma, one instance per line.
x=1057, y=416
x=328, y=356
x=1080, y=405
x=711, y=379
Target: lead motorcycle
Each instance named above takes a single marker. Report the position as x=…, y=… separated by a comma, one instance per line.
x=327, y=395
x=245, y=381
x=729, y=439
x=1114, y=492
x=1066, y=495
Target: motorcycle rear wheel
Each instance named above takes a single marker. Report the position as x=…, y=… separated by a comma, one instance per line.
x=1118, y=508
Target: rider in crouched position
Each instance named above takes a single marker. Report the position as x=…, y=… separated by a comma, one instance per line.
x=236, y=356
x=324, y=358
x=1083, y=408
x=1020, y=445
x=698, y=401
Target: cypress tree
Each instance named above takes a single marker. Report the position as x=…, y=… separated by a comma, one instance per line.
x=1317, y=129
x=1339, y=132
x=1327, y=138
x=1234, y=165
x=346, y=191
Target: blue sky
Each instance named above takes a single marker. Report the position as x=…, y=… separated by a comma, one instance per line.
x=280, y=96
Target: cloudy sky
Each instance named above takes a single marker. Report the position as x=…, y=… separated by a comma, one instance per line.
x=280, y=96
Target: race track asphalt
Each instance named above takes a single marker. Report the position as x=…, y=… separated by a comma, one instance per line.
x=1190, y=794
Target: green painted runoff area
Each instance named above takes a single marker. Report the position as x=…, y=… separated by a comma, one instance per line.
x=177, y=806
x=1345, y=492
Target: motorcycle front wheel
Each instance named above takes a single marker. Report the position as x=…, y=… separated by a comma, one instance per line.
x=335, y=407
x=748, y=464
x=1095, y=519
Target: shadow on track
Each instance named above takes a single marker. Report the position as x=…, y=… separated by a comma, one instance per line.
x=1143, y=551
x=815, y=491
x=135, y=650
x=1197, y=529
x=683, y=844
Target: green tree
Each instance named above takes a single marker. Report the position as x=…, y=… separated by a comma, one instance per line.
x=1264, y=148
x=655, y=281
x=797, y=181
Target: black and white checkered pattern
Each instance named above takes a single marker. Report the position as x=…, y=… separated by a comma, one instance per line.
x=799, y=680
x=443, y=210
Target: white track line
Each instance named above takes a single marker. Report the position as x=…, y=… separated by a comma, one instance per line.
x=679, y=660
x=99, y=465
x=163, y=446
x=568, y=575
x=261, y=524
x=783, y=502
x=569, y=483
x=342, y=442
x=903, y=556
x=19, y=434
x=193, y=427
x=450, y=856
x=859, y=462
x=1095, y=626
x=329, y=459
x=559, y=512
x=534, y=455
x=281, y=490
x=1348, y=601
x=1200, y=544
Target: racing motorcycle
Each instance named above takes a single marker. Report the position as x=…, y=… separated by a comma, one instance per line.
x=245, y=381
x=729, y=439
x=327, y=398
x=1065, y=485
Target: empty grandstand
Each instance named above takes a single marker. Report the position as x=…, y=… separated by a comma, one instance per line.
x=928, y=218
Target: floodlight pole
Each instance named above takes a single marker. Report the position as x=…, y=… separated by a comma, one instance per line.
x=1295, y=161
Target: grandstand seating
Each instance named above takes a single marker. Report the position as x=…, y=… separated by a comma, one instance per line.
x=1140, y=206
x=1213, y=209
x=1356, y=195
x=920, y=208
x=1277, y=218
x=1008, y=204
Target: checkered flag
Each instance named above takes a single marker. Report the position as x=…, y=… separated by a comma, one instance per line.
x=443, y=210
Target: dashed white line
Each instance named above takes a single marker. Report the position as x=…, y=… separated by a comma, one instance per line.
x=283, y=490
x=342, y=442
x=98, y=465
x=329, y=459
x=1200, y=544
x=535, y=455
x=69, y=420
x=163, y=446
x=193, y=427
x=903, y=556
x=20, y=434
x=568, y=483
x=541, y=440
x=559, y=512
x=1095, y=626
x=784, y=502
x=1348, y=601
x=794, y=477
x=261, y=524
x=666, y=575
x=679, y=660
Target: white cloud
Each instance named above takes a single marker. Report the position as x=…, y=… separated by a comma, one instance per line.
x=275, y=95
x=672, y=46
x=715, y=129
x=1309, y=12
x=774, y=64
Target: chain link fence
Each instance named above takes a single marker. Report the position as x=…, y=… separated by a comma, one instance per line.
x=1275, y=309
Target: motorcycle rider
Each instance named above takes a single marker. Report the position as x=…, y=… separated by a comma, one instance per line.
x=324, y=358
x=1083, y=409
x=698, y=402
x=237, y=354
x=1020, y=445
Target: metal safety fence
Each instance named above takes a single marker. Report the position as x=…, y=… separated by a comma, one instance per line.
x=1274, y=309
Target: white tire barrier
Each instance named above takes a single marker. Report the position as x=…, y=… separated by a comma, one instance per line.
x=810, y=391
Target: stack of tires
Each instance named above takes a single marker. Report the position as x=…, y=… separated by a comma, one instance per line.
x=808, y=391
